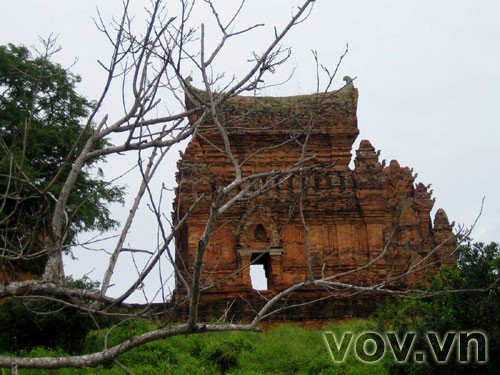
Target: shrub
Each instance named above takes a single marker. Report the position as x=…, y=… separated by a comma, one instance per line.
x=467, y=298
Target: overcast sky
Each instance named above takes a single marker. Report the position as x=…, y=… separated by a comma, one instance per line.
x=428, y=74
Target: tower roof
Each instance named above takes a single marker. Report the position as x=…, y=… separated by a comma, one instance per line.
x=326, y=113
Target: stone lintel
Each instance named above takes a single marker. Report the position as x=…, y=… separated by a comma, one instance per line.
x=272, y=251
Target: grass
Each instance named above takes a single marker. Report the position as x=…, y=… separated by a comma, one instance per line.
x=287, y=349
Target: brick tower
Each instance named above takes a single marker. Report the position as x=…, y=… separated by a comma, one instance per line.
x=352, y=215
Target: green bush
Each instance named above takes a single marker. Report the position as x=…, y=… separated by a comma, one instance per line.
x=467, y=298
x=287, y=349
x=224, y=353
x=24, y=326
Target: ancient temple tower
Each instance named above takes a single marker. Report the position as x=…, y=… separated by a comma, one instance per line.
x=364, y=225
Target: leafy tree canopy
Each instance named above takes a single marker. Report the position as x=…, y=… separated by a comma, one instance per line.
x=467, y=298
x=41, y=132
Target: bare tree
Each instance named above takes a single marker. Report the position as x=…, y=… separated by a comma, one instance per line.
x=154, y=69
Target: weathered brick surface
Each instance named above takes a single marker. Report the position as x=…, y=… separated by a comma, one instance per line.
x=352, y=214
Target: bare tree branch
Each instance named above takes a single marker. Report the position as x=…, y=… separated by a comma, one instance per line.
x=160, y=110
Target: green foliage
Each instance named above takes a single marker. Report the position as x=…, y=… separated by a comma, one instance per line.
x=288, y=350
x=468, y=299
x=40, y=124
x=284, y=350
x=225, y=353
x=26, y=324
